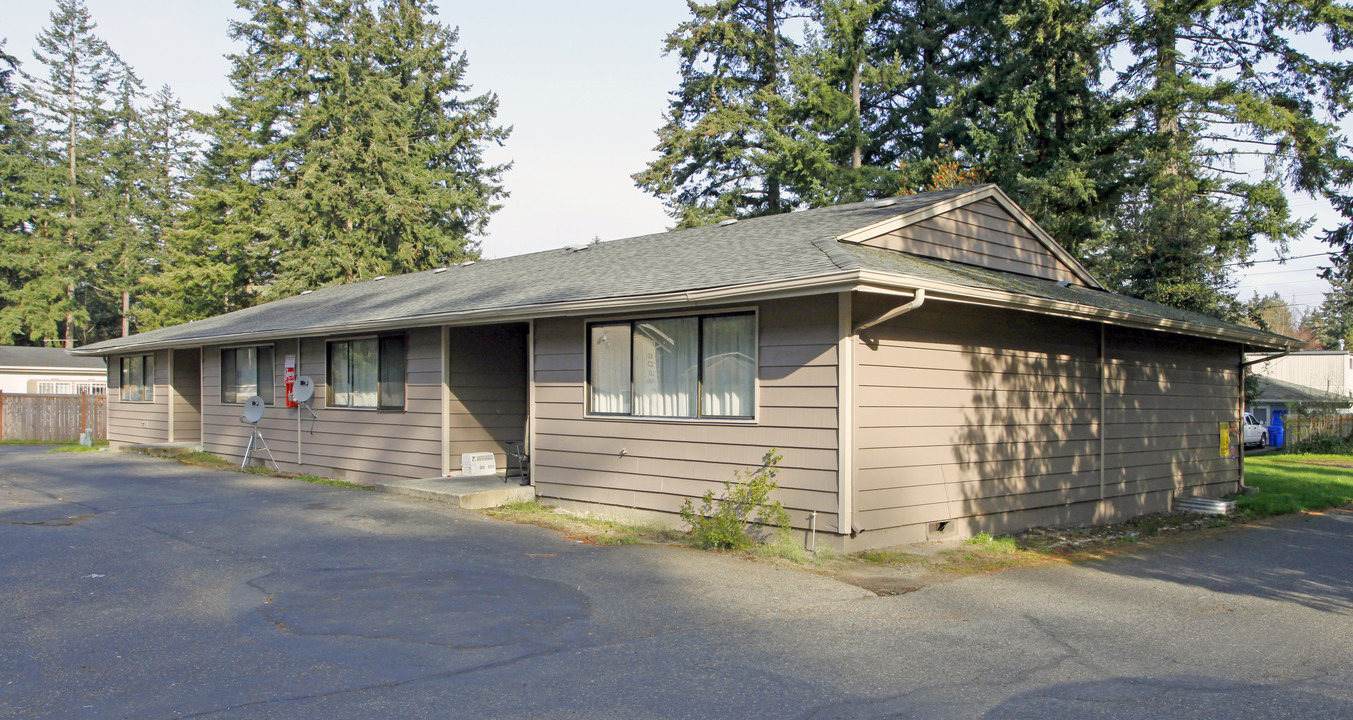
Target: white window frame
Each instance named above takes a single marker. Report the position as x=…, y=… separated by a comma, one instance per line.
x=753, y=419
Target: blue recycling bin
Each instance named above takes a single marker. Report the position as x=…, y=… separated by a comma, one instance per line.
x=1275, y=435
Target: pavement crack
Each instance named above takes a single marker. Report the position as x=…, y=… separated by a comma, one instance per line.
x=390, y=685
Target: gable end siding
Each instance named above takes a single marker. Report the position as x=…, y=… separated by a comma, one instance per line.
x=981, y=233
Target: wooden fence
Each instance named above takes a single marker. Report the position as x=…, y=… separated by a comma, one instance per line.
x=52, y=418
x=1298, y=429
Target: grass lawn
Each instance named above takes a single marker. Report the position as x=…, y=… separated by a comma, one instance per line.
x=1296, y=482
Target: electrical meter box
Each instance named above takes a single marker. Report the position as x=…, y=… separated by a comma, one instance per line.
x=477, y=464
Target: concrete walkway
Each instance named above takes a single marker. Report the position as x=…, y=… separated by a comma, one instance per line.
x=471, y=493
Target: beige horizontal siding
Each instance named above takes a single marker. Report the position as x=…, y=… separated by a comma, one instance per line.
x=664, y=463
x=139, y=422
x=981, y=234
x=186, y=394
x=361, y=445
x=487, y=390
x=993, y=418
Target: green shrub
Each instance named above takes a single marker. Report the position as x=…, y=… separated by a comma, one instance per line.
x=724, y=522
x=1322, y=445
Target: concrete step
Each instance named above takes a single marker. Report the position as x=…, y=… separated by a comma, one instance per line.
x=164, y=449
x=471, y=493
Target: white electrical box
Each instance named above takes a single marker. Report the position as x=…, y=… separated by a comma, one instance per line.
x=477, y=464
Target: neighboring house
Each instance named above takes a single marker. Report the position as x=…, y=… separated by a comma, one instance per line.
x=1280, y=396
x=931, y=365
x=27, y=370
x=1328, y=371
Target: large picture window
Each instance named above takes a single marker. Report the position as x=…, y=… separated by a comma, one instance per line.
x=681, y=367
x=137, y=379
x=246, y=372
x=367, y=373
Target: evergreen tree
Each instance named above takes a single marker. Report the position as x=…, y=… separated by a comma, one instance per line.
x=1039, y=125
x=25, y=194
x=349, y=149
x=220, y=254
x=72, y=101
x=1210, y=84
x=729, y=146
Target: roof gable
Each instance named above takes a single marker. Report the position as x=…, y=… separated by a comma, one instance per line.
x=982, y=227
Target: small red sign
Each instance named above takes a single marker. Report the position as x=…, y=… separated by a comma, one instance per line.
x=291, y=380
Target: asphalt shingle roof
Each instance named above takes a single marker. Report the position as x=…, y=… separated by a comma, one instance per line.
x=777, y=247
x=33, y=357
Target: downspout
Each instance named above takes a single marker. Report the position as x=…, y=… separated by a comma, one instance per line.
x=1103, y=390
x=846, y=401
x=296, y=374
x=898, y=311
x=1244, y=365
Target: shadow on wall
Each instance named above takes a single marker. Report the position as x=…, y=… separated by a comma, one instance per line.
x=1029, y=451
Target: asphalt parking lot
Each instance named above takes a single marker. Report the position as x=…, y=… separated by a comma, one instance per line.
x=140, y=588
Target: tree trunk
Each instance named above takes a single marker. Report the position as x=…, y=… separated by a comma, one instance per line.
x=126, y=308
x=771, y=79
x=857, y=153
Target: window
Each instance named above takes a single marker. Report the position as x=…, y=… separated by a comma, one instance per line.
x=246, y=372
x=367, y=373
x=695, y=366
x=138, y=378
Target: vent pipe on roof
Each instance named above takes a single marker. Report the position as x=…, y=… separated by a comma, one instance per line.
x=439, y=271
x=886, y=202
x=726, y=223
x=306, y=292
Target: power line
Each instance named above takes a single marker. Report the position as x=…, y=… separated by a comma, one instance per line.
x=1294, y=257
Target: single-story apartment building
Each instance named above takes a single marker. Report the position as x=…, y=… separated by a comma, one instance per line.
x=929, y=365
x=50, y=371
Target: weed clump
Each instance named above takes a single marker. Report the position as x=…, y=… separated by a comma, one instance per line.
x=725, y=522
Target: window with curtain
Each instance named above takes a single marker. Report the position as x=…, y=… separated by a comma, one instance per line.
x=367, y=373
x=681, y=367
x=137, y=379
x=246, y=372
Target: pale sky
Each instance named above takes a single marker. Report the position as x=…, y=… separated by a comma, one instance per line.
x=583, y=84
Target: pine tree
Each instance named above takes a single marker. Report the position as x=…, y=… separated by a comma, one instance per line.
x=729, y=146
x=72, y=102
x=26, y=187
x=349, y=148
x=1209, y=85
x=1039, y=125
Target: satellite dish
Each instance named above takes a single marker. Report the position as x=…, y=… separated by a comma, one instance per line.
x=303, y=390
x=253, y=409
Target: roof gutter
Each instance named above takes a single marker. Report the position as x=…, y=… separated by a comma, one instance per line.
x=843, y=281
x=1282, y=354
x=996, y=298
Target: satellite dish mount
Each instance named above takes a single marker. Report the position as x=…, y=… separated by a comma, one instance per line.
x=303, y=392
x=253, y=412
